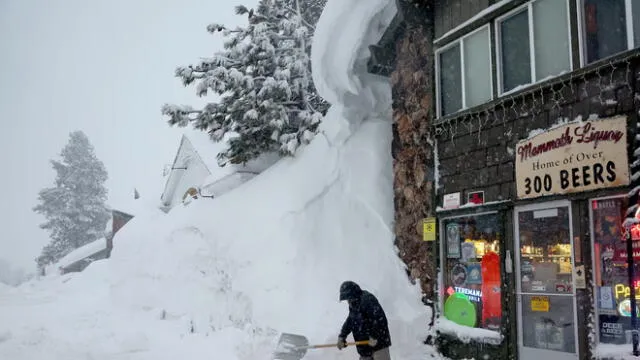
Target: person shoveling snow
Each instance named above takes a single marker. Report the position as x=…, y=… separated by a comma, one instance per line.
x=367, y=321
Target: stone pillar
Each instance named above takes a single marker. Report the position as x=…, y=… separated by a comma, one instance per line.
x=413, y=160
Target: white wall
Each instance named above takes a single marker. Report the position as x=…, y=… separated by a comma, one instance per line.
x=193, y=176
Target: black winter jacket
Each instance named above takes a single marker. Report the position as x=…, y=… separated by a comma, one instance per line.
x=367, y=320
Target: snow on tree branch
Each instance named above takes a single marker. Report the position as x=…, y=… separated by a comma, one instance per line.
x=262, y=78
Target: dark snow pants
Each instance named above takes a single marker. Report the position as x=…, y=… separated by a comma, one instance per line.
x=382, y=354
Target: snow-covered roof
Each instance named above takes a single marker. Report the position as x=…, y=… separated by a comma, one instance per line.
x=252, y=167
x=136, y=207
x=205, y=148
x=216, y=187
x=207, y=151
x=192, y=141
x=83, y=252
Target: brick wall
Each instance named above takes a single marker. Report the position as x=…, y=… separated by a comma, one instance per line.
x=476, y=149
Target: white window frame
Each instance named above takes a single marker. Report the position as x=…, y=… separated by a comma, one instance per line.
x=460, y=41
x=498, y=21
x=582, y=34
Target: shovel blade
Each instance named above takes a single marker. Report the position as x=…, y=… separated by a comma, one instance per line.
x=291, y=347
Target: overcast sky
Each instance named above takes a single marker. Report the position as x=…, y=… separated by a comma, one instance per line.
x=103, y=67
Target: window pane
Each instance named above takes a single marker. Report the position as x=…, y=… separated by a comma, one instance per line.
x=551, y=36
x=477, y=68
x=610, y=273
x=605, y=28
x=472, y=284
x=450, y=80
x=516, y=57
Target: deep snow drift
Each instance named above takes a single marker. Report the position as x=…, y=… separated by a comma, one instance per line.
x=219, y=279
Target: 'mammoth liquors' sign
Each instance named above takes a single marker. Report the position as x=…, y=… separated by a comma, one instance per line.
x=575, y=157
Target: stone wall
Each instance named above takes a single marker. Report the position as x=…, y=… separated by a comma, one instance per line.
x=413, y=156
x=476, y=149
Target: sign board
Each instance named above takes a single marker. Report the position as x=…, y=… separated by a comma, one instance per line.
x=579, y=277
x=429, y=229
x=575, y=157
x=540, y=303
x=475, y=197
x=605, y=300
x=451, y=201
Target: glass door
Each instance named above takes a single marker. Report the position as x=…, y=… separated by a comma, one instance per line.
x=545, y=288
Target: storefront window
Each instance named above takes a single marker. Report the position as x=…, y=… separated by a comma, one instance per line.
x=610, y=269
x=472, y=271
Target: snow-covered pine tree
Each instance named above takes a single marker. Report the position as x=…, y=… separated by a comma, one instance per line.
x=74, y=208
x=267, y=102
x=309, y=9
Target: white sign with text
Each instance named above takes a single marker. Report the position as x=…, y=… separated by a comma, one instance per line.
x=575, y=157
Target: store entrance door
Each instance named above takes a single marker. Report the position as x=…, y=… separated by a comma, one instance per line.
x=545, y=289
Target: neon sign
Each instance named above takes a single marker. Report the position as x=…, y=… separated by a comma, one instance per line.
x=622, y=291
x=624, y=309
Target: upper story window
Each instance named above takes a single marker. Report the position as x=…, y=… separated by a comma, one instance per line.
x=610, y=27
x=464, y=72
x=533, y=44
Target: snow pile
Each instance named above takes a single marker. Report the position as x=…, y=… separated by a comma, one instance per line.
x=223, y=278
x=341, y=76
x=83, y=252
x=466, y=334
x=143, y=206
x=614, y=352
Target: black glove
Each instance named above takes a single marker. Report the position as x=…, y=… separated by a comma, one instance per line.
x=342, y=343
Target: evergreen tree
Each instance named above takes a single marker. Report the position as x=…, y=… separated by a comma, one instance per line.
x=74, y=208
x=268, y=102
x=309, y=9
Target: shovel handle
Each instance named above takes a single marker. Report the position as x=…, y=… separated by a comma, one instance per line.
x=361, y=342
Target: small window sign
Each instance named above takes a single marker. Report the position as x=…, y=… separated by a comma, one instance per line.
x=475, y=198
x=451, y=201
x=540, y=303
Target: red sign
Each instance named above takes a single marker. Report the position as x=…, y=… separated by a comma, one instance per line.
x=476, y=198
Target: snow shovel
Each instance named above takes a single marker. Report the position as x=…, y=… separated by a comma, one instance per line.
x=294, y=347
